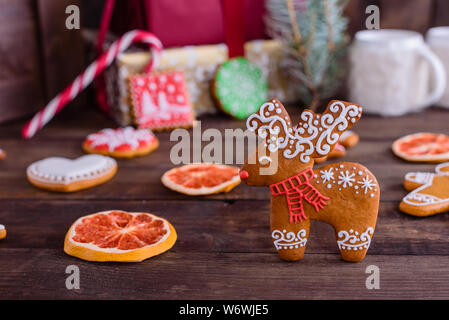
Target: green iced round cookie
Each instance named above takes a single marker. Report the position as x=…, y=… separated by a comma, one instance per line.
x=240, y=87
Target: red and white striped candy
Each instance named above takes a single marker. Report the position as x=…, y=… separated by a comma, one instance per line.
x=92, y=71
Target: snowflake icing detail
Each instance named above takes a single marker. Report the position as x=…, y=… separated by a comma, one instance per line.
x=367, y=184
x=327, y=175
x=346, y=179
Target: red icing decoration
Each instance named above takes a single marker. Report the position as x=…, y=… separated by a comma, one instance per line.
x=160, y=101
x=296, y=189
x=234, y=27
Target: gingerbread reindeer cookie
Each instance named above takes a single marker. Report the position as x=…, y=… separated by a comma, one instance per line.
x=430, y=193
x=345, y=195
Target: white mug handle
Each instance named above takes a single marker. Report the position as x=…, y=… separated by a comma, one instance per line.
x=439, y=75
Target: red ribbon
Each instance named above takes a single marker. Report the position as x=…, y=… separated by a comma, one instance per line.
x=234, y=27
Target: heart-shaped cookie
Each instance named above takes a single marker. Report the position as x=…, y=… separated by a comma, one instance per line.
x=66, y=175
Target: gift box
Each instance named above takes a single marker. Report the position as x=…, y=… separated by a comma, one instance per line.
x=199, y=64
x=196, y=23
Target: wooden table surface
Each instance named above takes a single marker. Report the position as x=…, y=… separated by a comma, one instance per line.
x=224, y=249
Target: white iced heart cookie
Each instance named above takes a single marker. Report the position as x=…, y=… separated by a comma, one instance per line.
x=66, y=175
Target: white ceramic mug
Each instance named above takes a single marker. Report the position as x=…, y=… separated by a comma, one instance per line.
x=438, y=40
x=391, y=72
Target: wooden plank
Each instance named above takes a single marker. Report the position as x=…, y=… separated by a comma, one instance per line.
x=143, y=183
x=63, y=55
x=21, y=90
x=62, y=48
x=218, y=226
x=77, y=122
x=406, y=14
x=140, y=178
x=355, y=12
x=31, y=274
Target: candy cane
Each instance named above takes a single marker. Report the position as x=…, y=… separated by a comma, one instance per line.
x=92, y=71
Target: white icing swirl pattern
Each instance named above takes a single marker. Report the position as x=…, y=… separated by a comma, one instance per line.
x=314, y=134
x=352, y=241
x=288, y=240
x=424, y=199
x=419, y=177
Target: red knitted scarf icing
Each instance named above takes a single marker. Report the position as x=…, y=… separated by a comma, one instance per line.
x=297, y=188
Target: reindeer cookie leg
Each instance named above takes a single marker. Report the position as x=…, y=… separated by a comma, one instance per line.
x=353, y=242
x=353, y=206
x=289, y=239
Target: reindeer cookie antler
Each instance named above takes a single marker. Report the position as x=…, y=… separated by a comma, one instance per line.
x=314, y=136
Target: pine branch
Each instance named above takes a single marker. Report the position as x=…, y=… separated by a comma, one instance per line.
x=295, y=28
x=303, y=52
x=329, y=25
x=313, y=36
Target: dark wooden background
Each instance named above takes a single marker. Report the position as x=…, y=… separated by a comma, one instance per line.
x=417, y=15
x=39, y=56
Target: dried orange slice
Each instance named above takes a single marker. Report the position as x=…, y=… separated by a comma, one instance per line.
x=119, y=236
x=423, y=147
x=2, y=232
x=201, y=179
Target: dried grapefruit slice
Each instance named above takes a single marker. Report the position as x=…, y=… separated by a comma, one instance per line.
x=119, y=236
x=423, y=147
x=2, y=232
x=201, y=179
